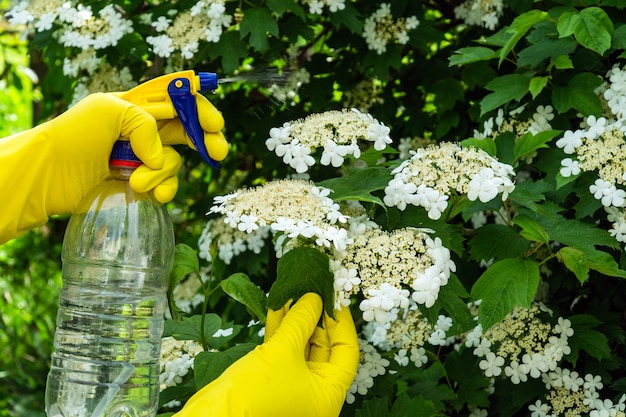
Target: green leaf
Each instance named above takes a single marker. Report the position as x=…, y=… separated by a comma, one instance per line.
x=591, y=27
x=374, y=407
x=185, y=262
x=208, y=366
x=281, y=6
x=579, y=95
x=258, y=22
x=505, y=89
x=563, y=62
x=231, y=48
x=348, y=17
x=519, y=27
x=487, y=144
x=586, y=338
x=299, y=271
x=496, y=241
x=416, y=406
x=604, y=263
x=507, y=283
x=189, y=327
x=529, y=143
x=472, y=54
x=576, y=261
x=452, y=299
x=358, y=185
x=537, y=84
x=240, y=288
x=531, y=230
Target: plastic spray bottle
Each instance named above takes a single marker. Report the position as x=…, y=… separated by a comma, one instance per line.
x=117, y=255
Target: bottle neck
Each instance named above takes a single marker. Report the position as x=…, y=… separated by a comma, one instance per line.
x=121, y=171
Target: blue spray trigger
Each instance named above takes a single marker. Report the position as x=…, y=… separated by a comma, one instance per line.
x=179, y=90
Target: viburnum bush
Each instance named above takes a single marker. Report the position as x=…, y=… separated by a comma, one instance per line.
x=453, y=171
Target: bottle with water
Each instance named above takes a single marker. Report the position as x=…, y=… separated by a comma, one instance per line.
x=117, y=256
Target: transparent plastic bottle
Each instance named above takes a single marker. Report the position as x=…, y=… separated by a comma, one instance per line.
x=117, y=256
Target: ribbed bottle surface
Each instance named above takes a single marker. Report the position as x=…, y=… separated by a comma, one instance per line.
x=117, y=256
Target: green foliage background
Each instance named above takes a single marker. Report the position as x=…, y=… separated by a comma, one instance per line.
x=441, y=85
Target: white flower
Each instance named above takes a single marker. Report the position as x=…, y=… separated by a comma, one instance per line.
x=516, y=372
x=596, y=127
x=346, y=279
x=593, y=383
x=535, y=363
x=247, y=223
x=333, y=154
x=401, y=357
x=483, y=186
x=570, y=141
x=161, y=24
x=418, y=356
x=564, y=327
x=569, y=167
x=538, y=409
x=491, y=365
x=223, y=332
x=162, y=45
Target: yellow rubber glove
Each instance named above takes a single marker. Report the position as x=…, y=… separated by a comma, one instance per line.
x=300, y=370
x=48, y=169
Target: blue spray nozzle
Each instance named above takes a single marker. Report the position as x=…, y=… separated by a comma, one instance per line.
x=181, y=93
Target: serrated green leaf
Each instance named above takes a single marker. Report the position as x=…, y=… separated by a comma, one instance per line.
x=240, y=288
x=579, y=95
x=576, y=261
x=505, y=89
x=208, y=366
x=374, y=407
x=416, y=406
x=604, y=263
x=358, y=185
x=563, y=62
x=506, y=284
x=189, y=328
x=452, y=299
x=281, y=6
x=531, y=230
x=472, y=54
x=529, y=143
x=591, y=27
x=586, y=338
x=537, y=84
x=258, y=23
x=518, y=28
x=232, y=50
x=496, y=241
x=299, y=271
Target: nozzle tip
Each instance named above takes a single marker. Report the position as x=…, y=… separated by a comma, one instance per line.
x=208, y=81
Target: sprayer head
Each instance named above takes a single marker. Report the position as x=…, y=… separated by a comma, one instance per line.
x=208, y=81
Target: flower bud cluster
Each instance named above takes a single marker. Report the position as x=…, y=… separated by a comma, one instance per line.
x=336, y=132
x=436, y=172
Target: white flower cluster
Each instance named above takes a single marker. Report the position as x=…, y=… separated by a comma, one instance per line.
x=292, y=207
x=599, y=144
x=485, y=13
x=317, y=6
x=436, y=172
x=78, y=25
x=382, y=266
x=571, y=394
x=381, y=29
x=514, y=346
x=539, y=122
x=230, y=242
x=336, y=132
x=176, y=360
x=371, y=365
x=182, y=32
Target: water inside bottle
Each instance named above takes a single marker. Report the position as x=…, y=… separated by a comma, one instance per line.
x=113, y=372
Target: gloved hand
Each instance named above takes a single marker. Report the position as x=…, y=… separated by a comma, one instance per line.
x=301, y=370
x=48, y=169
